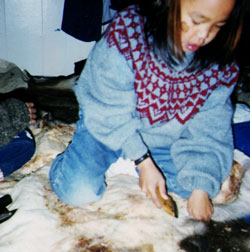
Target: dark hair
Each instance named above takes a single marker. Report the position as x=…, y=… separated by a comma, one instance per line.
x=163, y=24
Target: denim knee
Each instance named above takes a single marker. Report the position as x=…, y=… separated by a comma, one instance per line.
x=77, y=197
x=78, y=175
x=75, y=188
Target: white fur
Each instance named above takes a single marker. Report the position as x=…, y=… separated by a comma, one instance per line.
x=124, y=220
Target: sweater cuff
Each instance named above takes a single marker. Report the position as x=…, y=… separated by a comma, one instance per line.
x=191, y=183
x=134, y=148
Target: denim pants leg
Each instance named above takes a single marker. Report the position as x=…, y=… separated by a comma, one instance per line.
x=16, y=153
x=77, y=176
x=165, y=163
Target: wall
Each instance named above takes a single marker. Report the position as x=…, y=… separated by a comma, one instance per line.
x=30, y=37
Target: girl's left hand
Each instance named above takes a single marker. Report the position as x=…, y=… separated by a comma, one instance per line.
x=32, y=112
x=200, y=206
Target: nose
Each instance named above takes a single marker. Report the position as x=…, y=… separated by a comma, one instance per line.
x=203, y=33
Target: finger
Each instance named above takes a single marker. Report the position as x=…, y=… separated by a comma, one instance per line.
x=155, y=199
x=143, y=189
x=206, y=218
x=33, y=114
x=141, y=185
x=29, y=104
x=190, y=211
x=212, y=209
x=163, y=191
x=201, y=217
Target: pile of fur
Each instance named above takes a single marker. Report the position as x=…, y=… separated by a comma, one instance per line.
x=125, y=220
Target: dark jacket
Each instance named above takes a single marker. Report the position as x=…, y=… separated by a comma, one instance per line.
x=14, y=117
x=82, y=19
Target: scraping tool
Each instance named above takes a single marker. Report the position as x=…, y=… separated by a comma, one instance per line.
x=169, y=205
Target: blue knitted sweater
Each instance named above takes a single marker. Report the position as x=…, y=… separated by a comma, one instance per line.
x=133, y=101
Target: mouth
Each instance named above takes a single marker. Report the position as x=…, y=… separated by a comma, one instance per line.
x=192, y=47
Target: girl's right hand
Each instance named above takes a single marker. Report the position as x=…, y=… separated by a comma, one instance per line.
x=150, y=179
x=200, y=206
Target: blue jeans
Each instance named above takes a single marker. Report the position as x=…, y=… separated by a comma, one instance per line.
x=77, y=175
x=16, y=153
x=164, y=161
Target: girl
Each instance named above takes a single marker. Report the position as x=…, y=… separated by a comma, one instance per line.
x=156, y=89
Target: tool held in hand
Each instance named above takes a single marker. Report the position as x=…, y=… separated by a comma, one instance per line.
x=5, y=214
x=169, y=205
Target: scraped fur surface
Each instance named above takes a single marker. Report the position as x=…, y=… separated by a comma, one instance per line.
x=125, y=220
x=240, y=207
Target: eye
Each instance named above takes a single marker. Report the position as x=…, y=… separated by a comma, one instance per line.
x=219, y=26
x=195, y=22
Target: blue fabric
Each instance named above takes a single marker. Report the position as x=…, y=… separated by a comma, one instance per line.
x=242, y=142
x=201, y=143
x=83, y=19
x=247, y=218
x=199, y=137
x=77, y=176
x=163, y=159
x=242, y=137
x=16, y=153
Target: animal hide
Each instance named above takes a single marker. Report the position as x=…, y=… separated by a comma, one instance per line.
x=125, y=220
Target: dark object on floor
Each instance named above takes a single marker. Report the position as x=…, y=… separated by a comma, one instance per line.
x=241, y=93
x=53, y=95
x=5, y=214
x=242, y=90
x=197, y=243
x=222, y=237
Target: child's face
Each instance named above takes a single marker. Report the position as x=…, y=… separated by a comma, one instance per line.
x=202, y=20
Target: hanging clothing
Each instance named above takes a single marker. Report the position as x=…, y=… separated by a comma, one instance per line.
x=84, y=19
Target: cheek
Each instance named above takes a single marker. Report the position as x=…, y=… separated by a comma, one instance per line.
x=184, y=27
x=211, y=36
x=185, y=32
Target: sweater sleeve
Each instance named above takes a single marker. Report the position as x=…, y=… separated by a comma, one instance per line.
x=14, y=117
x=106, y=96
x=203, y=155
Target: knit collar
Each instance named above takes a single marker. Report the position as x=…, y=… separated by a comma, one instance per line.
x=163, y=93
